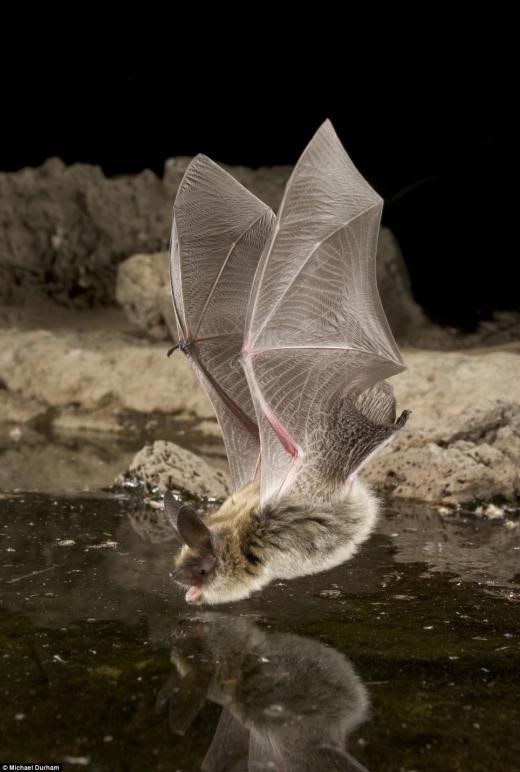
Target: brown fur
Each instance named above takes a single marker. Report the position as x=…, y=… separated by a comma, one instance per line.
x=327, y=515
x=254, y=546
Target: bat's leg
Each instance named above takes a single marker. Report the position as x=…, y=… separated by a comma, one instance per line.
x=257, y=467
x=281, y=431
x=288, y=442
x=248, y=423
x=289, y=476
x=283, y=435
x=290, y=446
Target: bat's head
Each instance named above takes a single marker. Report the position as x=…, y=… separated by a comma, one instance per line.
x=212, y=565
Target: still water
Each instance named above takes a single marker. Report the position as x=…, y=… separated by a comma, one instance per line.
x=406, y=658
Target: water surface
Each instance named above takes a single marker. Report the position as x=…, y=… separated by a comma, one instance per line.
x=405, y=658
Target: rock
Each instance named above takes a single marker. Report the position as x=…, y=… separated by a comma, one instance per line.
x=166, y=465
x=450, y=475
x=503, y=328
x=14, y=408
x=446, y=390
x=404, y=314
x=462, y=443
x=209, y=429
x=501, y=332
x=64, y=229
x=143, y=290
x=74, y=420
x=91, y=371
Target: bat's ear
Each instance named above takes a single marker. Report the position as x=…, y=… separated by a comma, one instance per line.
x=189, y=525
x=194, y=532
x=171, y=508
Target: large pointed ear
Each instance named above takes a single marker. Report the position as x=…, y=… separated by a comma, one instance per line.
x=189, y=526
x=171, y=508
x=195, y=533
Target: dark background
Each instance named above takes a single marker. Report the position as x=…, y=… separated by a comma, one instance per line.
x=432, y=131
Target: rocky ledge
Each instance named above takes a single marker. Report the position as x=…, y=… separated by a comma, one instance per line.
x=460, y=446
x=71, y=239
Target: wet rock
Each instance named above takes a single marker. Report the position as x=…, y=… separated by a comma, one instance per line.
x=166, y=465
x=143, y=290
x=462, y=443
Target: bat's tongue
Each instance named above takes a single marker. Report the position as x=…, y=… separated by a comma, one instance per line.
x=193, y=594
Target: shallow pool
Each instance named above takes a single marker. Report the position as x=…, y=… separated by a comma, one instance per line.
x=406, y=658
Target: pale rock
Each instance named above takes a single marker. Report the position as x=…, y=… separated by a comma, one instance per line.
x=143, y=290
x=90, y=372
x=166, y=465
x=15, y=408
x=462, y=442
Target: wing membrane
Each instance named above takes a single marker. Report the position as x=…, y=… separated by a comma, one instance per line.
x=219, y=231
x=315, y=326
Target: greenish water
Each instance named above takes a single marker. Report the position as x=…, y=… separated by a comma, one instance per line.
x=406, y=658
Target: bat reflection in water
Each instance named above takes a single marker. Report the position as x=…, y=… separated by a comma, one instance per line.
x=281, y=320
x=289, y=703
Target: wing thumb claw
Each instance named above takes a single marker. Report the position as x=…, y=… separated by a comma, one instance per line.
x=403, y=418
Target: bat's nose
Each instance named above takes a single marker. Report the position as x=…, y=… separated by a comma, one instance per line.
x=179, y=576
x=186, y=577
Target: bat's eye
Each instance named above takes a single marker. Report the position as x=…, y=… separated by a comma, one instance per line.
x=202, y=571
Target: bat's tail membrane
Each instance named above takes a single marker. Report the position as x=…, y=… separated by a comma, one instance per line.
x=362, y=428
x=351, y=432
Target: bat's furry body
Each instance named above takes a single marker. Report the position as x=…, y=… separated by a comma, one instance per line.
x=255, y=546
x=282, y=322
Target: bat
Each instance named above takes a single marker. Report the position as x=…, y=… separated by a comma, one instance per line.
x=281, y=320
x=288, y=702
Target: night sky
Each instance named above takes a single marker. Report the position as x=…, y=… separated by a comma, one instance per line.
x=434, y=137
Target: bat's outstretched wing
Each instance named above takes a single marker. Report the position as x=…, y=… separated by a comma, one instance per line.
x=315, y=327
x=219, y=231
x=229, y=749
